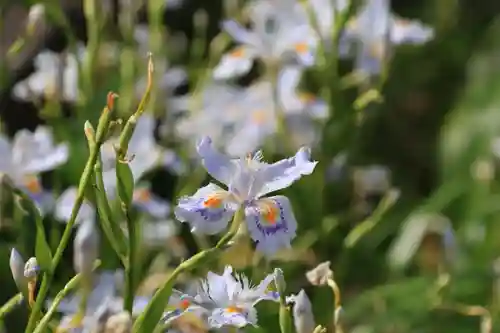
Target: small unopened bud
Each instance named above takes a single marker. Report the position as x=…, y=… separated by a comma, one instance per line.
x=16, y=263
x=303, y=317
x=119, y=323
x=110, y=100
x=86, y=247
x=89, y=131
x=36, y=16
x=31, y=269
x=319, y=275
x=279, y=280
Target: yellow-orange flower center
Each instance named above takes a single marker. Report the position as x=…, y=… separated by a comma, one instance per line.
x=270, y=214
x=237, y=52
x=259, y=117
x=301, y=47
x=32, y=184
x=142, y=195
x=234, y=309
x=213, y=202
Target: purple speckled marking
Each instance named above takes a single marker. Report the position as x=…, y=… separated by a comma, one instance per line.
x=209, y=214
x=272, y=229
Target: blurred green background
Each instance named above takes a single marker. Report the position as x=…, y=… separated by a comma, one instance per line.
x=434, y=130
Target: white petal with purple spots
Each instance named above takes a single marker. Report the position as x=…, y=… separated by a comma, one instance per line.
x=208, y=211
x=271, y=223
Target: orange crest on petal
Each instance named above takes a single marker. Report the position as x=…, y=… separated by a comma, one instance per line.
x=142, y=195
x=32, y=184
x=270, y=213
x=237, y=52
x=301, y=47
x=213, y=201
x=234, y=309
x=259, y=117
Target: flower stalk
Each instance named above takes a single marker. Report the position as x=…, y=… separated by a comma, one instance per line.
x=11, y=304
x=125, y=188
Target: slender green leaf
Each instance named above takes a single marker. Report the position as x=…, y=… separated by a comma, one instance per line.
x=125, y=182
x=42, y=249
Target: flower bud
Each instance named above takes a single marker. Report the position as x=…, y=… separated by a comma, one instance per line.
x=89, y=131
x=86, y=247
x=16, y=263
x=36, y=16
x=303, y=318
x=279, y=280
x=31, y=269
x=319, y=275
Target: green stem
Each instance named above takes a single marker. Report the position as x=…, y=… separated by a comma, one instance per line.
x=10, y=304
x=233, y=229
x=102, y=130
x=111, y=229
x=150, y=317
x=121, y=155
x=93, y=18
x=131, y=265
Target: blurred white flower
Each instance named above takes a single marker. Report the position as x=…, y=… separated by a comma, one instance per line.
x=240, y=120
x=64, y=206
x=279, y=34
x=149, y=203
x=211, y=112
x=377, y=29
x=323, y=13
x=94, y=320
x=28, y=155
x=86, y=247
x=259, y=117
x=55, y=74
x=103, y=304
x=172, y=162
x=118, y=323
x=158, y=233
x=106, y=285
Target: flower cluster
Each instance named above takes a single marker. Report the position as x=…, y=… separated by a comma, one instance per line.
x=144, y=172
